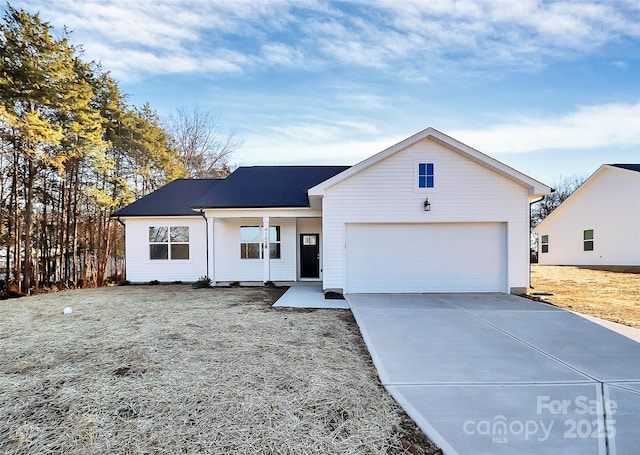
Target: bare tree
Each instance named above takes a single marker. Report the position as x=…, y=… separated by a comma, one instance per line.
x=202, y=145
x=562, y=189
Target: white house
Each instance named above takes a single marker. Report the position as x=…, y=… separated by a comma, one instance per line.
x=428, y=214
x=599, y=224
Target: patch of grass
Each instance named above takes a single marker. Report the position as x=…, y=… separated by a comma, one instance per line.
x=170, y=369
x=610, y=294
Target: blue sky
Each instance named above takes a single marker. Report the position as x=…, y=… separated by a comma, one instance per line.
x=550, y=88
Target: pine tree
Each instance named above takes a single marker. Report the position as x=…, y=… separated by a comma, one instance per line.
x=44, y=104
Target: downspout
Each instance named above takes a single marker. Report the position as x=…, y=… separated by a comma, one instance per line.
x=124, y=237
x=206, y=227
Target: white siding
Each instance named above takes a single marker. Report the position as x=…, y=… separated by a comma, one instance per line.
x=141, y=269
x=610, y=205
x=229, y=267
x=464, y=192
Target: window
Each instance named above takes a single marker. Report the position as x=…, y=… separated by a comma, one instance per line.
x=274, y=242
x=425, y=175
x=544, y=244
x=169, y=242
x=251, y=242
x=587, y=236
x=309, y=240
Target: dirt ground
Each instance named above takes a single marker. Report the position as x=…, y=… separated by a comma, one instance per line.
x=171, y=369
x=613, y=295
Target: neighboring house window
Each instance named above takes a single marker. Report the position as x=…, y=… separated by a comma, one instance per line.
x=251, y=242
x=588, y=239
x=425, y=175
x=544, y=244
x=169, y=242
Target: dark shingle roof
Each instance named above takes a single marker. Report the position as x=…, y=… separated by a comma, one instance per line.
x=246, y=187
x=173, y=199
x=267, y=186
x=630, y=167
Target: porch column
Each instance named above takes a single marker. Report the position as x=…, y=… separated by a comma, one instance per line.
x=211, y=248
x=266, y=256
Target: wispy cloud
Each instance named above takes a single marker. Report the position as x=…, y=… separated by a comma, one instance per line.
x=281, y=54
x=345, y=142
x=412, y=38
x=589, y=127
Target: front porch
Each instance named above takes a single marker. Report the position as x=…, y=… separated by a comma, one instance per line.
x=284, y=247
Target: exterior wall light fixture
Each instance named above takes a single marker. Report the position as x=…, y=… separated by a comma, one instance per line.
x=427, y=205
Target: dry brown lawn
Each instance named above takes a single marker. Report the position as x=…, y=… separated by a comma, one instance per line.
x=611, y=295
x=170, y=369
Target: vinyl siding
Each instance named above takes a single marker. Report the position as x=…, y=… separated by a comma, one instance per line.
x=230, y=267
x=464, y=192
x=141, y=269
x=610, y=205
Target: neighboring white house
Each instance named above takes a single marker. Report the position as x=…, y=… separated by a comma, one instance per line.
x=599, y=224
x=428, y=214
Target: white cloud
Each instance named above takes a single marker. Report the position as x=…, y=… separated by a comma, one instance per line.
x=589, y=127
x=276, y=149
x=344, y=142
x=317, y=140
x=410, y=38
x=354, y=99
x=281, y=54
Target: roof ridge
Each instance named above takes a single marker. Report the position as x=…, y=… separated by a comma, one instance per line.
x=627, y=166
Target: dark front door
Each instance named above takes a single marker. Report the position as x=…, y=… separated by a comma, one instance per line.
x=309, y=255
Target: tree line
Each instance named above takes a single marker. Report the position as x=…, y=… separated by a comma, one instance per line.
x=72, y=151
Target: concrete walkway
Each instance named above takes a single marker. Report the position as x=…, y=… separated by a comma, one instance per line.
x=308, y=296
x=498, y=374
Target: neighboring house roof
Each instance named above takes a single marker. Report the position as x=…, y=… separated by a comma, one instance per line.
x=535, y=188
x=578, y=192
x=173, y=199
x=629, y=167
x=267, y=186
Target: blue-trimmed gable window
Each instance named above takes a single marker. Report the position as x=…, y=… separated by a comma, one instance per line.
x=425, y=175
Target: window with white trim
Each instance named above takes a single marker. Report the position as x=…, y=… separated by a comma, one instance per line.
x=168, y=242
x=426, y=175
x=587, y=237
x=544, y=244
x=251, y=242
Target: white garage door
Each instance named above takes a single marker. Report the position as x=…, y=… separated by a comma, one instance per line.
x=447, y=257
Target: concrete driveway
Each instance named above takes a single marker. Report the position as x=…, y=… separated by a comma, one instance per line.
x=499, y=374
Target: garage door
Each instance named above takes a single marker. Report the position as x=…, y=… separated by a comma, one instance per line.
x=447, y=257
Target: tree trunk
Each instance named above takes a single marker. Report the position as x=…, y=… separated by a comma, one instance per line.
x=28, y=222
x=14, y=222
x=104, y=241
